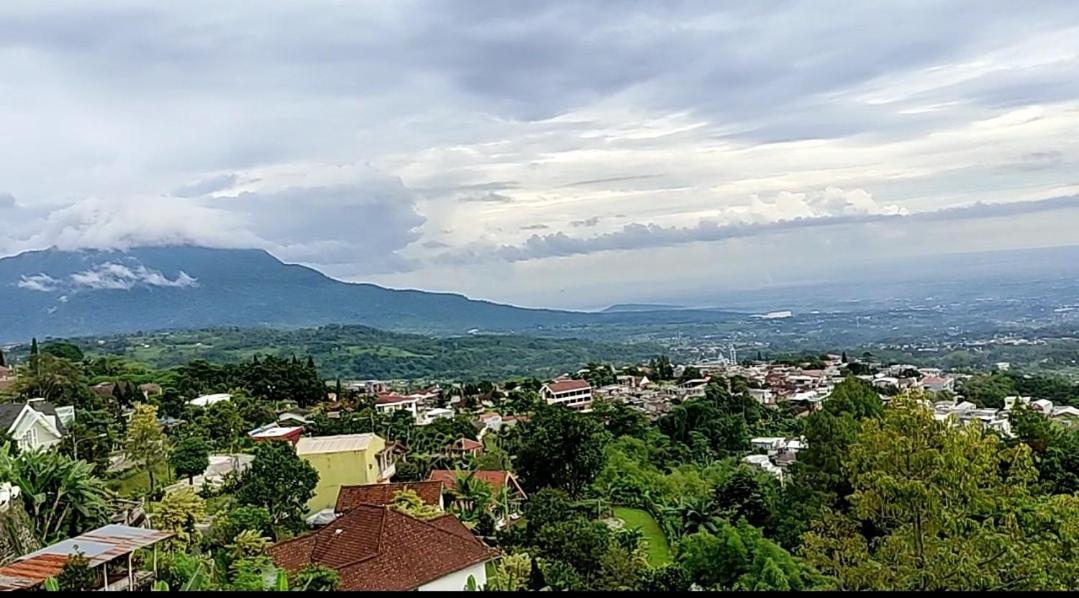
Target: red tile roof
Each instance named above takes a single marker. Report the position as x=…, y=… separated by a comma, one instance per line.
x=388, y=398
x=466, y=444
x=378, y=548
x=350, y=497
x=496, y=479
x=568, y=385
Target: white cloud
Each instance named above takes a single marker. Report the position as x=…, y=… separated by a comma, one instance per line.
x=121, y=277
x=42, y=283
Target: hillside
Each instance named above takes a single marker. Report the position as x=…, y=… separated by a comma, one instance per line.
x=62, y=293
x=80, y=293
x=361, y=352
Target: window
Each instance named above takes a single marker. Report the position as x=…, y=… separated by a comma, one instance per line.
x=29, y=439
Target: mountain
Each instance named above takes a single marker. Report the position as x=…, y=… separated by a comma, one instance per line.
x=75, y=293
x=635, y=307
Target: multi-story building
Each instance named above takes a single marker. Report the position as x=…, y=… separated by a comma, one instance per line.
x=575, y=394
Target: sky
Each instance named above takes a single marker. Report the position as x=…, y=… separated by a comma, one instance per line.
x=561, y=154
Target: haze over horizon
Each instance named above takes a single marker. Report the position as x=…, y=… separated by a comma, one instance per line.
x=559, y=156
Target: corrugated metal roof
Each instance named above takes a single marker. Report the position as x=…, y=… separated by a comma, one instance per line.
x=333, y=444
x=99, y=546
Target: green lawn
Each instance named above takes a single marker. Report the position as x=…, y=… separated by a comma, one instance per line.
x=659, y=553
x=134, y=482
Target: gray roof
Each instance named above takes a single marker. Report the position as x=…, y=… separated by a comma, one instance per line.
x=9, y=412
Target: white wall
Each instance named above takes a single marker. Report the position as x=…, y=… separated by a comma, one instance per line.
x=455, y=582
x=31, y=419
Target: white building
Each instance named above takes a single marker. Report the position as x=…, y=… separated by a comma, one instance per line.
x=390, y=402
x=575, y=394
x=35, y=424
x=207, y=400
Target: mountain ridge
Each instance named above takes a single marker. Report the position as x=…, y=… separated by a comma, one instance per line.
x=72, y=293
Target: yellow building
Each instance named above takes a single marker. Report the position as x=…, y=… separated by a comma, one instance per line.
x=347, y=459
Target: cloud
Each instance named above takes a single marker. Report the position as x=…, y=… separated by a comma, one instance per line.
x=830, y=208
x=7, y=200
x=615, y=179
x=121, y=277
x=535, y=227
x=593, y=221
x=206, y=186
x=491, y=197
x=42, y=283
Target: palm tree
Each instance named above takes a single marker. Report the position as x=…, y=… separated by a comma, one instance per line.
x=472, y=496
x=695, y=514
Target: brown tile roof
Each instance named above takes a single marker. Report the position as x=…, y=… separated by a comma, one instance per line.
x=350, y=497
x=378, y=548
x=568, y=385
x=496, y=479
x=466, y=444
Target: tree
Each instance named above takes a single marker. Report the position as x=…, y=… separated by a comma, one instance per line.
x=239, y=519
x=410, y=503
x=511, y=574
x=77, y=575
x=937, y=507
x=191, y=457
x=90, y=438
x=62, y=496
x=63, y=350
x=54, y=379
x=146, y=443
x=178, y=512
x=560, y=448
x=279, y=481
x=2, y=362
x=739, y=557
x=316, y=578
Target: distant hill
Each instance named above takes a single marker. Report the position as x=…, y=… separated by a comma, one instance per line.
x=360, y=352
x=632, y=307
x=76, y=293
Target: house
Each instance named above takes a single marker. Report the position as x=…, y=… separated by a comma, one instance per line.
x=463, y=447
x=150, y=389
x=388, y=402
x=275, y=431
x=764, y=396
x=207, y=400
x=374, y=387
x=105, y=549
x=938, y=383
x=575, y=394
x=435, y=413
x=768, y=444
x=218, y=468
x=35, y=424
x=375, y=547
x=344, y=460
x=1067, y=416
x=429, y=491
x=765, y=463
x=7, y=378
x=497, y=480
x=1010, y=401
x=104, y=389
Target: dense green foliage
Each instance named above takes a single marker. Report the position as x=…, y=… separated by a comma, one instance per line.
x=361, y=352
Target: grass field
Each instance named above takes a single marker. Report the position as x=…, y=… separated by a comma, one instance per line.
x=658, y=551
x=135, y=481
